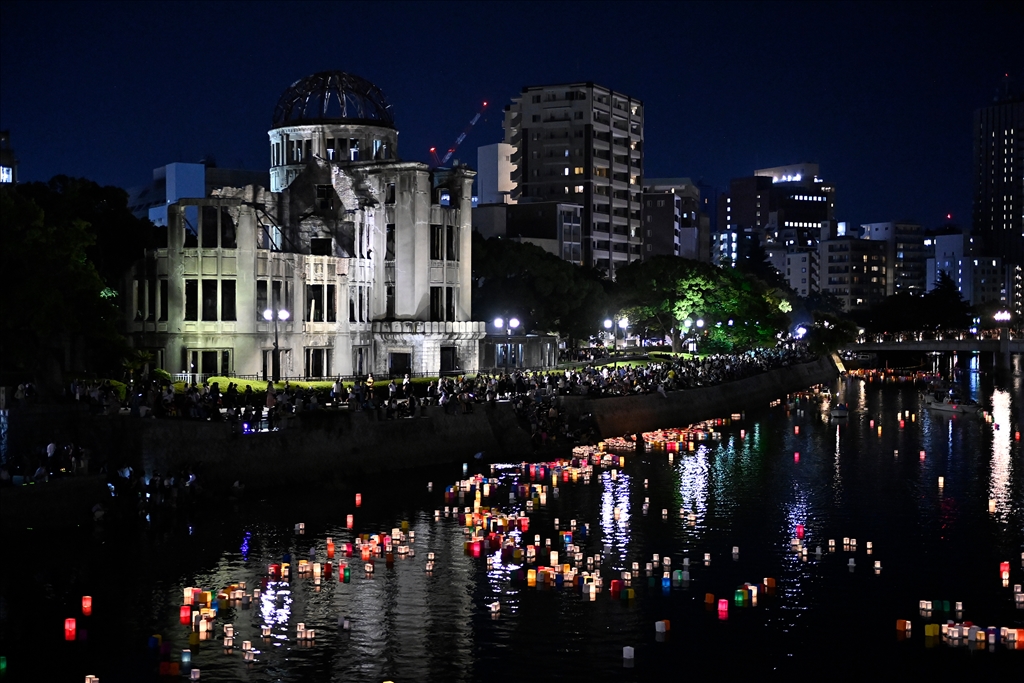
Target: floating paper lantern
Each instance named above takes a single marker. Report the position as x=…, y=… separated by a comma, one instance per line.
x=349, y=521
x=185, y=614
x=796, y=456
x=87, y=605
x=723, y=605
x=69, y=629
x=627, y=652
x=195, y=675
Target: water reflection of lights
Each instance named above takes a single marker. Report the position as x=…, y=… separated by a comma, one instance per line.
x=837, y=472
x=999, y=480
x=615, y=495
x=271, y=613
x=244, y=550
x=693, y=483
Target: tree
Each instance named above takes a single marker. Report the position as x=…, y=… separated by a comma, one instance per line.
x=671, y=294
x=544, y=292
x=60, y=312
x=829, y=333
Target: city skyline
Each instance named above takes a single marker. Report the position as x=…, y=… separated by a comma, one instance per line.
x=880, y=96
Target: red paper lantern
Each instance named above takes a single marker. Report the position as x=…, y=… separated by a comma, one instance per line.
x=69, y=629
x=350, y=521
x=359, y=499
x=87, y=605
x=185, y=614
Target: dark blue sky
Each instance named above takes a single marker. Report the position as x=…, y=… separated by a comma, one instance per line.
x=881, y=95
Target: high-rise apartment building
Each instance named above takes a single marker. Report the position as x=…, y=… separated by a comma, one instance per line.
x=906, y=254
x=999, y=176
x=854, y=270
x=582, y=143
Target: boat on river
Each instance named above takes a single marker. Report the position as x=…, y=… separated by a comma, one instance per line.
x=841, y=410
x=950, y=404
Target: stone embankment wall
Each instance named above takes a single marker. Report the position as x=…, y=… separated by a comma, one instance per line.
x=330, y=447
x=631, y=414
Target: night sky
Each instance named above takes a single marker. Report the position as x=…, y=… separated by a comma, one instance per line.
x=880, y=95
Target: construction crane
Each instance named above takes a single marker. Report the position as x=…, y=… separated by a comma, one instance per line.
x=458, y=140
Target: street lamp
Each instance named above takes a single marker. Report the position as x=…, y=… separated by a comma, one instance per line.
x=269, y=315
x=509, y=325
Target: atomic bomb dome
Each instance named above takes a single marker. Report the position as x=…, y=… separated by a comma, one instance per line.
x=333, y=97
x=332, y=116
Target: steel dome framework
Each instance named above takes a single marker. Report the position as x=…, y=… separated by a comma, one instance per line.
x=333, y=97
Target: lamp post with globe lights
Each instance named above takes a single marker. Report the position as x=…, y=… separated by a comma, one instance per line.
x=271, y=315
x=508, y=324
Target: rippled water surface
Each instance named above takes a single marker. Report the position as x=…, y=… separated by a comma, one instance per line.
x=749, y=491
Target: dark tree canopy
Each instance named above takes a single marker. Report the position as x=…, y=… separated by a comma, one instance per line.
x=547, y=294
x=941, y=308
x=64, y=247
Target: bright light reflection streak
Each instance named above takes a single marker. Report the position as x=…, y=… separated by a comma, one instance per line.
x=693, y=483
x=999, y=481
x=616, y=535
x=837, y=477
x=268, y=603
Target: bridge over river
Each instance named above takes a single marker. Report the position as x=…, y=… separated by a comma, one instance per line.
x=1005, y=343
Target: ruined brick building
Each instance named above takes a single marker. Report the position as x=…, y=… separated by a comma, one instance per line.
x=351, y=262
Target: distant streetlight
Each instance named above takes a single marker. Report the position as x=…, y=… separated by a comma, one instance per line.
x=700, y=322
x=269, y=315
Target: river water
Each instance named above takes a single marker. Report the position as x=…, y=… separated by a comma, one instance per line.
x=749, y=492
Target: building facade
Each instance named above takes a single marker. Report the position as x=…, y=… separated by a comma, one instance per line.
x=998, y=213
x=581, y=143
x=494, y=173
x=352, y=261
x=8, y=160
x=854, y=271
x=673, y=223
x=905, y=253
x=782, y=208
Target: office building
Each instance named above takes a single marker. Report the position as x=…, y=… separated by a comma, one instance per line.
x=582, y=143
x=998, y=213
x=782, y=206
